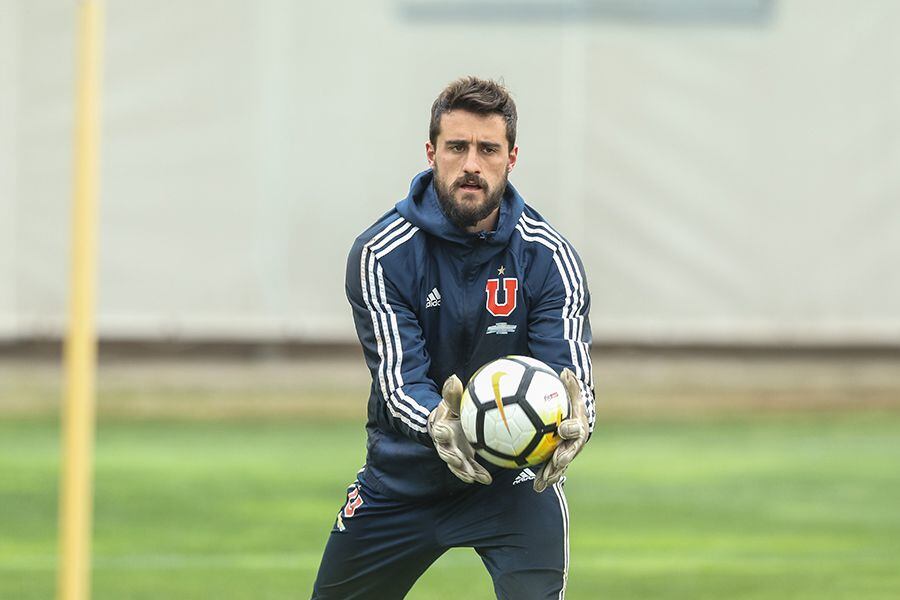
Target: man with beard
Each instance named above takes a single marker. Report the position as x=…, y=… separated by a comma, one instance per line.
x=458, y=274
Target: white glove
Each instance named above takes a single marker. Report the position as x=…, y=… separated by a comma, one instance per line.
x=449, y=440
x=574, y=434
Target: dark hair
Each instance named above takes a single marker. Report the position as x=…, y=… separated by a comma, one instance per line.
x=480, y=96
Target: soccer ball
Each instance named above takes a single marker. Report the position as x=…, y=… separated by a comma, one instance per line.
x=510, y=411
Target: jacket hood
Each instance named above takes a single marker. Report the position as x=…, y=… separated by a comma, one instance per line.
x=422, y=209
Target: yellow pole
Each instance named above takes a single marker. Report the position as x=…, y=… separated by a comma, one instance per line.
x=76, y=489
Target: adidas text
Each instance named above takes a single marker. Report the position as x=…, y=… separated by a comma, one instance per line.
x=433, y=300
x=525, y=475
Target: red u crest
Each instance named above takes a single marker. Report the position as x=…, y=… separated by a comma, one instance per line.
x=510, y=286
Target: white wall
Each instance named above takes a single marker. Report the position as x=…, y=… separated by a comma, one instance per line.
x=9, y=63
x=748, y=182
x=722, y=182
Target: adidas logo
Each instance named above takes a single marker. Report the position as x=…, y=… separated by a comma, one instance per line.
x=433, y=300
x=525, y=475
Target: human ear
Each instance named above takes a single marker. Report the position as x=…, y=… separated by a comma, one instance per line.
x=513, y=156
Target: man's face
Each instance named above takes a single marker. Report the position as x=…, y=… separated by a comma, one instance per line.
x=471, y=159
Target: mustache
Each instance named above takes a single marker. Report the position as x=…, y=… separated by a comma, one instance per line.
x=470, y=180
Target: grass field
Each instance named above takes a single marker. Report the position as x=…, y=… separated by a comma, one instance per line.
x=736, y=503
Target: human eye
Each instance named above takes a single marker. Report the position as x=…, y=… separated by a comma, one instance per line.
x=457, y=147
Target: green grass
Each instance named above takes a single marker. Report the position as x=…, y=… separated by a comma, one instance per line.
x=789, y=506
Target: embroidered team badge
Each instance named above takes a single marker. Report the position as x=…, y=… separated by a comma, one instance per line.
x=354, y=501
x=492, y=289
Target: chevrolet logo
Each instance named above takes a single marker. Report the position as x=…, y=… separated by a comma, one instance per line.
x=501, y=329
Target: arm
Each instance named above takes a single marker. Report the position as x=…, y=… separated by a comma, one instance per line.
x=394, y=348
x=559, y=330
x=392, y=343
x=559, y=334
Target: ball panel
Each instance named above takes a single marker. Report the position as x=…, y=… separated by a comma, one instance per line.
x=467, y=414
x=532, y=362
x=547, y=395
x=544, y=449
x=511, y=436
x=484, y=381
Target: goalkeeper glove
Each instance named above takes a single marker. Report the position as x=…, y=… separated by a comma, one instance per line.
x=449, y=440
x=574, y=434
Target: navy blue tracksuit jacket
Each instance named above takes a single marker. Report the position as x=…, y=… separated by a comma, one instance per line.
x=431, y=300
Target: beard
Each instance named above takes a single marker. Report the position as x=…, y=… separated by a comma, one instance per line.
x=466, y=213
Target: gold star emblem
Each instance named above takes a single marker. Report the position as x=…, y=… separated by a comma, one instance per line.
x=501, y=270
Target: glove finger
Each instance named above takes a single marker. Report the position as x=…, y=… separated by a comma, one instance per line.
x=562, y=458
x=541, y=481
x=481, y=474
x=551, y=475
x=456, y=463
x=441, y=434
x=452, y=394
x=573, y=390
x=569, y=449
x=467, y=468
x=462, y=475
x=570, y=429
x=452, y=458
x=559, y=461
x=448, y=452
x=553, y=470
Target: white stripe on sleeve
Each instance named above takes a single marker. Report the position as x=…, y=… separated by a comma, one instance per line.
x=573, y=319
x=384, y=323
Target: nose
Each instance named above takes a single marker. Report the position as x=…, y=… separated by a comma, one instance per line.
x=472, y=165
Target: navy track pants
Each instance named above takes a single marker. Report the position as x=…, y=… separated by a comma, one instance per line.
x=379, y=546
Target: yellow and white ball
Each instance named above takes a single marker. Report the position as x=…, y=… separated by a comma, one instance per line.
x=511, y=409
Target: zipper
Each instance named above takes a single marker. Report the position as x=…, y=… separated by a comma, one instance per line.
x=469, y=314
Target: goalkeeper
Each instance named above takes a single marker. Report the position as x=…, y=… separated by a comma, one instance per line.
x=459, y=273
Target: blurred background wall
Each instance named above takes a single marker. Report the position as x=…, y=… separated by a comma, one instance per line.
x=730, y=180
